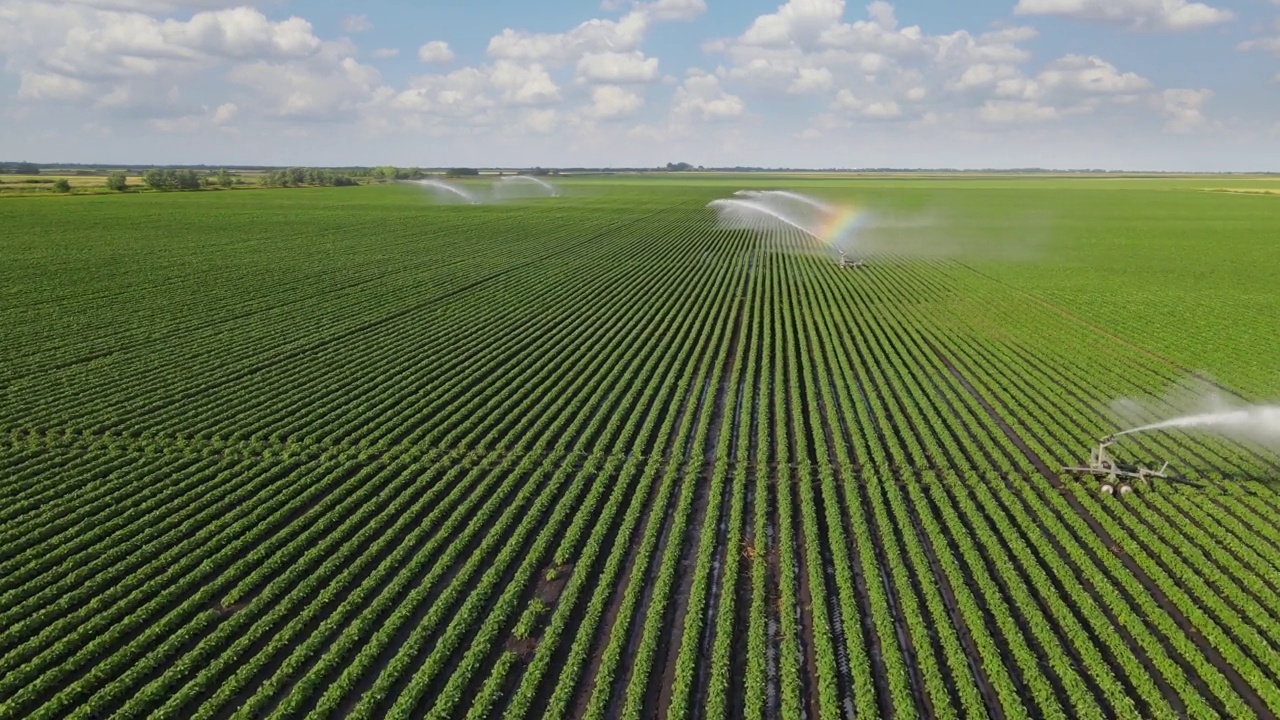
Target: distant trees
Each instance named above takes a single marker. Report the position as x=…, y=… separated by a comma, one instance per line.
x=171, y=179
x=390, y=172
x=461, y=172
x=223, y=178
x=118, y=181
x=679, y=167
x=25, y=168
x=61, y=185
x=298, y=176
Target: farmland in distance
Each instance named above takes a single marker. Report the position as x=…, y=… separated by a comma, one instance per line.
x=351, y=453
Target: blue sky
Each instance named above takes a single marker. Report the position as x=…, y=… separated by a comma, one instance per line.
x=1118, y=84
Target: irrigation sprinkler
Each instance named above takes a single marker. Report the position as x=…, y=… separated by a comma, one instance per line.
x=845, y=262
x=1119, y=477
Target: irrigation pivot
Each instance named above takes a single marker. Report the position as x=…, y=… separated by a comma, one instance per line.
x=1117, y=476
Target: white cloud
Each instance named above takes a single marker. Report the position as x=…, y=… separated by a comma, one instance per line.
x=1184, y=109
x=356, y=23
x=810, y=80
x=153, y=6
x=196, y=122
x=436, y=52
x=1090, y=74
x=224, y=114
x=593, y=36
x=51, y=86
x=539, y=121
x=846, y=102
x=701, y=95
x=617, y=68
x=596, y=35
x=386, y=53
x=674, y=9
x=611, y=101
x=523, y=85
x=796, y=47
x=469, y=99
x=1015, y=111
x=1266, y=44
x=882, y=109
x=184, y=125
x=95, y=45
x=330, y=85
x=877, y=69
x=1141, y=15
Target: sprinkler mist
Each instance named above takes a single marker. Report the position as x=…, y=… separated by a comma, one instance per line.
x=449, y=190
x=509, y=180
x=773, y=211
x=1258, y=423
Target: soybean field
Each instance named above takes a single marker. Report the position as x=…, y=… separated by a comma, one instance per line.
x=356, y=453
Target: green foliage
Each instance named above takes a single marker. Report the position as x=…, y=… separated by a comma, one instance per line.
x=171, y=179
x=527, y=626
x=117, y=181
x=61, y=185
x=298, y=177
x=300, y=454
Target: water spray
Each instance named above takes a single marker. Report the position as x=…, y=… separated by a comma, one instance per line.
x=772, y=210
x=733, y=211
x=805, y=199
x=1259, y=422
x=446, y=187
x=510, y=179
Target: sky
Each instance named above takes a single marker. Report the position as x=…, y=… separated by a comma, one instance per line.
x=1110, y=84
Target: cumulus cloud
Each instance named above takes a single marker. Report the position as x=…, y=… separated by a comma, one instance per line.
x=91, y=44
x=153, y=6
x=523, y=85
x=882, y=108
x=1015, y=111
x=876, y=69
x=224, y=114
x=51, y=86
x=593, y=36
x=1266, y=44
x=612, y=101
x=1184, y=108
x=436, y=52
x=194, y=122
x=356, y=23
x=476, y=96
x=1140, y=15
x=701, y=96
x=810, y=80
x=330, y=85
x=674, y=9
x=386, y=53
x=617, y=68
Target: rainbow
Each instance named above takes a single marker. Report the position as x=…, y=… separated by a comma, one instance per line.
x=840, y=223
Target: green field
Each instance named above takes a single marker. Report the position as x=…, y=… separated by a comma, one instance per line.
x=352, y=453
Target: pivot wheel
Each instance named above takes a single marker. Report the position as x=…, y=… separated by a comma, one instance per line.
x=1126, y=489
x=1106, y=489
